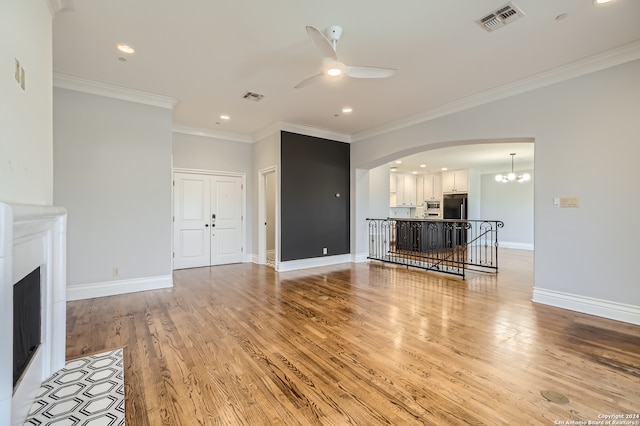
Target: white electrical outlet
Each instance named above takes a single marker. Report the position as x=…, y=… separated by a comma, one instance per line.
x=116, y=271
x=324, y=250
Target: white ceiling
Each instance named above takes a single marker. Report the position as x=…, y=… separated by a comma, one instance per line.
x=208, y=53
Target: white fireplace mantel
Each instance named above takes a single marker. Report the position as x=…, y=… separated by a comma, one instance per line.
x=31, y=237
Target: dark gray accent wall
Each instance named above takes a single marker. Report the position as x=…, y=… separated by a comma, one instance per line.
x=314, y=170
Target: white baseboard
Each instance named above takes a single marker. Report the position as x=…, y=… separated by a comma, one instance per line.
x=515, y=245
x=111, y=288
x=587, y=305
x=360, y=258
x=294, y=265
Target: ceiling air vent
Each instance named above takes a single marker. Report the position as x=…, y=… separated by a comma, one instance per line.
x=500, y=17
x=251, y=96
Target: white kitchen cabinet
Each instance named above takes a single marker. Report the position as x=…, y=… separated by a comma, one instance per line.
x=405, y=186
x=455, y=181
x=432, y=187
x=419, y=190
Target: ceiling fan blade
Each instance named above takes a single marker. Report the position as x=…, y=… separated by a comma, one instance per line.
x=322, y=45
x=370, y=72
x=309, y=80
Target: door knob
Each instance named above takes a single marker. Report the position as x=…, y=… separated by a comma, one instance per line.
x=213, y=225
x=206, y=225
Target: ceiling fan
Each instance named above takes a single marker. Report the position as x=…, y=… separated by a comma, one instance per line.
x=331, y=66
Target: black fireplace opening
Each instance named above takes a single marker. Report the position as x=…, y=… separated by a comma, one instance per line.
x=26, y=322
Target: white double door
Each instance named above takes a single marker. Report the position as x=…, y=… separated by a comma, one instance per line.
x=208, y=220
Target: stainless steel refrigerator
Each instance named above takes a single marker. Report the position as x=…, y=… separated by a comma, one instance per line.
x=454, y=206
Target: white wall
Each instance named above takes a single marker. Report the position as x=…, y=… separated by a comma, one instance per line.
x=379, y=189
x=112, y=163
x=511, y=203
x=208, y=153
x=26, y=147
x=265, y=154
x=585, y=132
x=219, y=155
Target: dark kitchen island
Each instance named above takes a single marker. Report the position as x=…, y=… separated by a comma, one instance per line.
x=426, y=235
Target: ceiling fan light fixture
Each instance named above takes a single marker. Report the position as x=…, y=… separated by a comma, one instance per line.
x=334, y=72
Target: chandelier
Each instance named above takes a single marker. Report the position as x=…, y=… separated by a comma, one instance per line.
x=512, y=177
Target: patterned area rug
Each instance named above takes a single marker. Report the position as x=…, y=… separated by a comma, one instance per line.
x=88, y=391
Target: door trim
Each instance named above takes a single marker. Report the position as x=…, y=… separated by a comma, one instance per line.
x=243, y=177
x=262, y=216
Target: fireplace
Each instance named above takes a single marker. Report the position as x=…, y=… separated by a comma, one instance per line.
x=32, y=245
x=27, y=322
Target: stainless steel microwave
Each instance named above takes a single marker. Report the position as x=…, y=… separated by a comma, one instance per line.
x=432, y=205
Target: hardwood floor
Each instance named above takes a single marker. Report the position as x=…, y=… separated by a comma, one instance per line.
x=359, y=344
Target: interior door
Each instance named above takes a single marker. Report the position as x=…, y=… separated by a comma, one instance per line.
x=226, y=220
x=208, y=228
x=191, y=225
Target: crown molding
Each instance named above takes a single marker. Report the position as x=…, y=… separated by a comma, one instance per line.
x=611, y=58
x=315, y=132
x=271, y=129
x=56, y=6
x=301, y=129
x=213, y=134
x=79, y=84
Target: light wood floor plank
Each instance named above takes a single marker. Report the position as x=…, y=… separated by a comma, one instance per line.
x=362, y=344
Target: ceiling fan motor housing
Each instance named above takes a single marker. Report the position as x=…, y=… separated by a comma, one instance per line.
x=334, y=32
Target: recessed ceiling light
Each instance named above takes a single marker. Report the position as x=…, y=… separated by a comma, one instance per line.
x=444, y=169
x=224, y=117
x=398, y=161
x=125, y=48
x=414, y=173
x=601, y=1
x=347, y=110
x=394, y=169
x=423, y=165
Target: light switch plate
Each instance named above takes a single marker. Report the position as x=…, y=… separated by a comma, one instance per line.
x=17, y=71
x=569, y=202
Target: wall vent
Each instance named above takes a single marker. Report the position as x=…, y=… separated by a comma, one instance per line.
x=500, y=17
x=252, y=96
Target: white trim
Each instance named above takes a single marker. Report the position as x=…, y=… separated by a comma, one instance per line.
x=213, y=134
x=301, y=130
x=588, y=305
x=111, y=288
x=627, y=53
x=262, y=215
x=84, y=85
x=515, y=245
x=56, y=6
x=315, y=132
x=360, y=258
x=294, y=265
x=209, y=172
